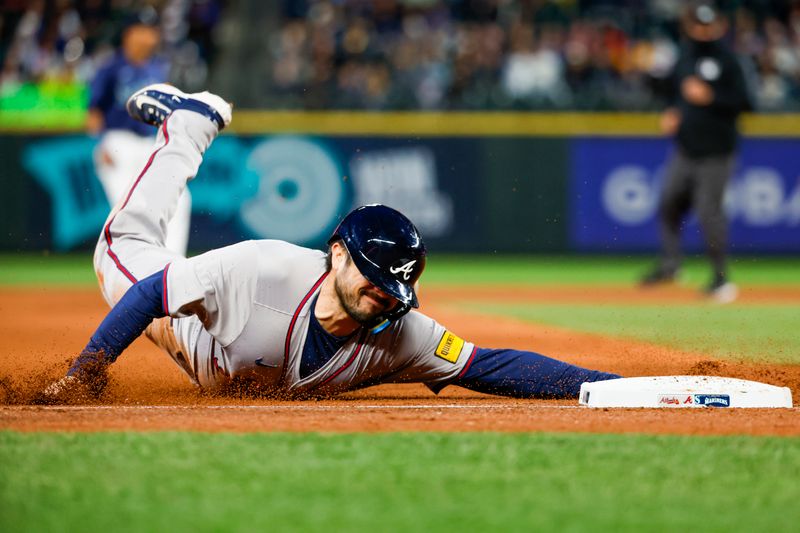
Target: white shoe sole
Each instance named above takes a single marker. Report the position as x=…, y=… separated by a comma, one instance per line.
x=725, y=294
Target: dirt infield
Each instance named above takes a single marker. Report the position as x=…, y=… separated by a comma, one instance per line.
x=43, y=328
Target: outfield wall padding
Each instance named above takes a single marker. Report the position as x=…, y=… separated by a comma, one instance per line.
x=467, y=193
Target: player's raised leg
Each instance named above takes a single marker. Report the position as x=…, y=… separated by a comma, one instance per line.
x=132, y=243
x=117, y=154
x=178, y=227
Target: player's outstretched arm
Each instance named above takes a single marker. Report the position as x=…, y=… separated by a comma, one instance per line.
x=438, y=358
x=143, y=302
x=522, y=374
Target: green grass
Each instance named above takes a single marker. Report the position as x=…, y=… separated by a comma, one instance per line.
x=76, y=269
x=397, y=482
x=47, y=269
x=596, y=270
x=765, y=333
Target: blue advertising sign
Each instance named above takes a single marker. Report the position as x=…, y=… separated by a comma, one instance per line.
x=615, y=185
x=64, y=168
x=465, y=194
x=294, y=188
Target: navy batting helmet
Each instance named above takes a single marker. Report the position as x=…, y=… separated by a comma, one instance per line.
x=386, y=248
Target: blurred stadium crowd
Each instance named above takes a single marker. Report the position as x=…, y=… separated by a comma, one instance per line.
x=418, y=54
x=64, y=41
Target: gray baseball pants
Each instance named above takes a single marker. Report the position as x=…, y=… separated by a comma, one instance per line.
x=695, y=183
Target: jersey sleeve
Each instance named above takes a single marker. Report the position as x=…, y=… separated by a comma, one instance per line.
x=731, y=93
x=101, y=89
x=217, y=286
x=434, y=354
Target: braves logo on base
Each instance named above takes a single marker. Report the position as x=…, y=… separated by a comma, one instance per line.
x=675, y=400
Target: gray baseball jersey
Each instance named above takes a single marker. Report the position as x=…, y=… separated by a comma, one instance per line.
x=244, y=310
x=254, y=302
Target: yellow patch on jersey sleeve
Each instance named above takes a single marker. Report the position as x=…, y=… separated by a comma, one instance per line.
x=450, y=347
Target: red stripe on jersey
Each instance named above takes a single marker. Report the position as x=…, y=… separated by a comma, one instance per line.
x=107, y=229
x=469, y=363
x=296, y=314
x=164, y=296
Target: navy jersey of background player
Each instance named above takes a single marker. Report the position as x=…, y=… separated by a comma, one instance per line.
x=113, y=85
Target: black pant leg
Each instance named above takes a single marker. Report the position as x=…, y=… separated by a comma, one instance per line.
x=675, y=200
x=713, y=174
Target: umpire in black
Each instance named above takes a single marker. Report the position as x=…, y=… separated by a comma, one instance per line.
x=708, y=92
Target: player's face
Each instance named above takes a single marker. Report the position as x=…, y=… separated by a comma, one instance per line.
x=140, y=42
x=360, y=299
x=706, y=32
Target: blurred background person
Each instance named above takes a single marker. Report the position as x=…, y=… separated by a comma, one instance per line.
x=126, y=144
x=709, y=94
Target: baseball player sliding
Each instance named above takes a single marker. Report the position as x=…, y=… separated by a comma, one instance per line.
x=287, y=321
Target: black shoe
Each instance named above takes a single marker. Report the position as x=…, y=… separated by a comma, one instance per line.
x=722, y=291
x=659, y=276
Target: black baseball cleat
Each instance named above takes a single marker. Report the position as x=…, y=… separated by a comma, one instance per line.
x=659, y=276
x=154, y=103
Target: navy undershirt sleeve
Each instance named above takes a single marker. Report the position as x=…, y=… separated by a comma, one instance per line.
x=525, y=375
x=124, y=323
x=100, y=92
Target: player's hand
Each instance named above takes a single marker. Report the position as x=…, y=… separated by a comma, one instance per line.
x=94, y=122
x=106, y=159
x=85, y=387
x=65, y=391
x=696, y=91
x=670, y=121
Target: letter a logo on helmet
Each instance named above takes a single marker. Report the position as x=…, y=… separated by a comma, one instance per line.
x=406, y=269
x=384, y=243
